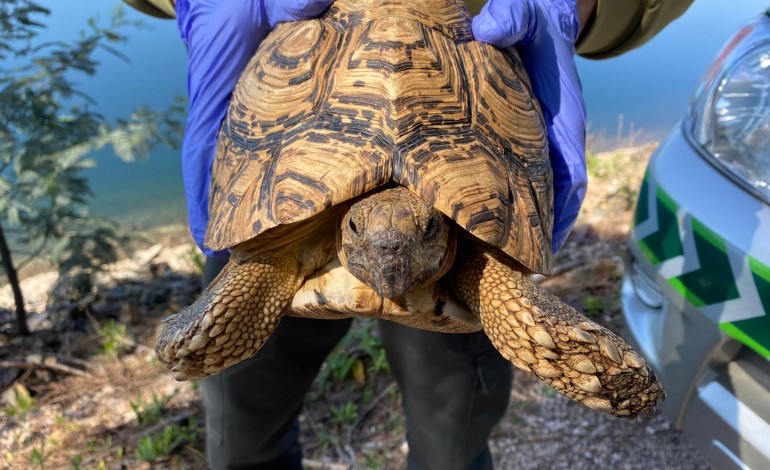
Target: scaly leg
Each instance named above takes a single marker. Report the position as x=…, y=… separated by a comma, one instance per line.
x=232, y=319
x=539, y=333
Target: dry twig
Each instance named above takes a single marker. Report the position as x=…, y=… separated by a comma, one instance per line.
x=37, y=361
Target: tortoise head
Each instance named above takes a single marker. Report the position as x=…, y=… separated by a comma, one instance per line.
x=393, y=241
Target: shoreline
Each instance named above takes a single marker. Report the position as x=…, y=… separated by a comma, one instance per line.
x=39, y=276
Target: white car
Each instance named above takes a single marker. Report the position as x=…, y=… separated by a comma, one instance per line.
x=696, y=294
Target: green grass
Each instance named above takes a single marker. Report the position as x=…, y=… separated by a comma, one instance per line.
x=38, y=457
x=112, y=335
x=164, y=443
x=93, y=445
x=602, y=165
x=22, y=406
x=344, y=414
x=196, y=259
x=360, y=355
x=375, y=458
x=327, y=440
x=152, y=412
x=76, y=462
x=597, y=305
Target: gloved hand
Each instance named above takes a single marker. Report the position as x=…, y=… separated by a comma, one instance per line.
x=221, y=36
x=544, y=33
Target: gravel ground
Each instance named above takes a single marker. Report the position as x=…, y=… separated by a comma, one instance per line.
x=551, y=432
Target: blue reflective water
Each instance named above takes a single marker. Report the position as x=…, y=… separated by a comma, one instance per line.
x=648, y=87
x=149, y=192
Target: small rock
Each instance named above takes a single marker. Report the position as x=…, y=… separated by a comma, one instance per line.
x=404, y=448
x=11, y=396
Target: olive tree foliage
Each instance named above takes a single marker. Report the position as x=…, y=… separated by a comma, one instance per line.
x=49, y=129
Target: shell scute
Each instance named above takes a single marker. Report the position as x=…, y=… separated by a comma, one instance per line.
x=377, y=92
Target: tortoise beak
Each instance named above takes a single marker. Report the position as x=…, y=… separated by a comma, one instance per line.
x=388, y=254
x=392, y=281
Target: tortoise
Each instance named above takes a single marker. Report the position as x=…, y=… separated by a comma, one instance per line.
x=378, y=161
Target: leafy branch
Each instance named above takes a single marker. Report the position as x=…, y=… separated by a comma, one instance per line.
x=48, y=132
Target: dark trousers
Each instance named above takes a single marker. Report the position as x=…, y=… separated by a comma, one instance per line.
x=455, y=389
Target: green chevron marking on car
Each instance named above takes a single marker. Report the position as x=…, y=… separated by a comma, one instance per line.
x=642, y=211
x=663, y=244
x=731, y=289
x=738, y=331
x=755, y=330
x=714, y=281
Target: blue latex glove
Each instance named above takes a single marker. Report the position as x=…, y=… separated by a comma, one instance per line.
x=544, y=33
x=221, y=36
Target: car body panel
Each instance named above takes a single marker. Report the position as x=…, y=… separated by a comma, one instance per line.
x=709, y=239
x=701, y=243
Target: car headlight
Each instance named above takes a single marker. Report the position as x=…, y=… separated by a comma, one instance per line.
x=730, y=112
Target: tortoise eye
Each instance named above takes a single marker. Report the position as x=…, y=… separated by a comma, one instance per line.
x=430, y=229
x=353, y=226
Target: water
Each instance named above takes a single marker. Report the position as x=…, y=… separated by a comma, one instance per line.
x=648, y=87
x=149, y=192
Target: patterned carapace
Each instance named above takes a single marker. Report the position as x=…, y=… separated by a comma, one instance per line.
x=377, y=92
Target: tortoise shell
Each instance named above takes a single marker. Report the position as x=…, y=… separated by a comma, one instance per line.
x=375, y=93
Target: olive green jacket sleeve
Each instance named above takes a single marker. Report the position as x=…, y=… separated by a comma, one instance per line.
x=157, y=8
x=622, y=25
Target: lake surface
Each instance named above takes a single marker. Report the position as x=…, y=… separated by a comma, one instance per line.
x=646, y=90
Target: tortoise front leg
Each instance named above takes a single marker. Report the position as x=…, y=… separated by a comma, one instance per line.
x=233, y=317
x=539, y=333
